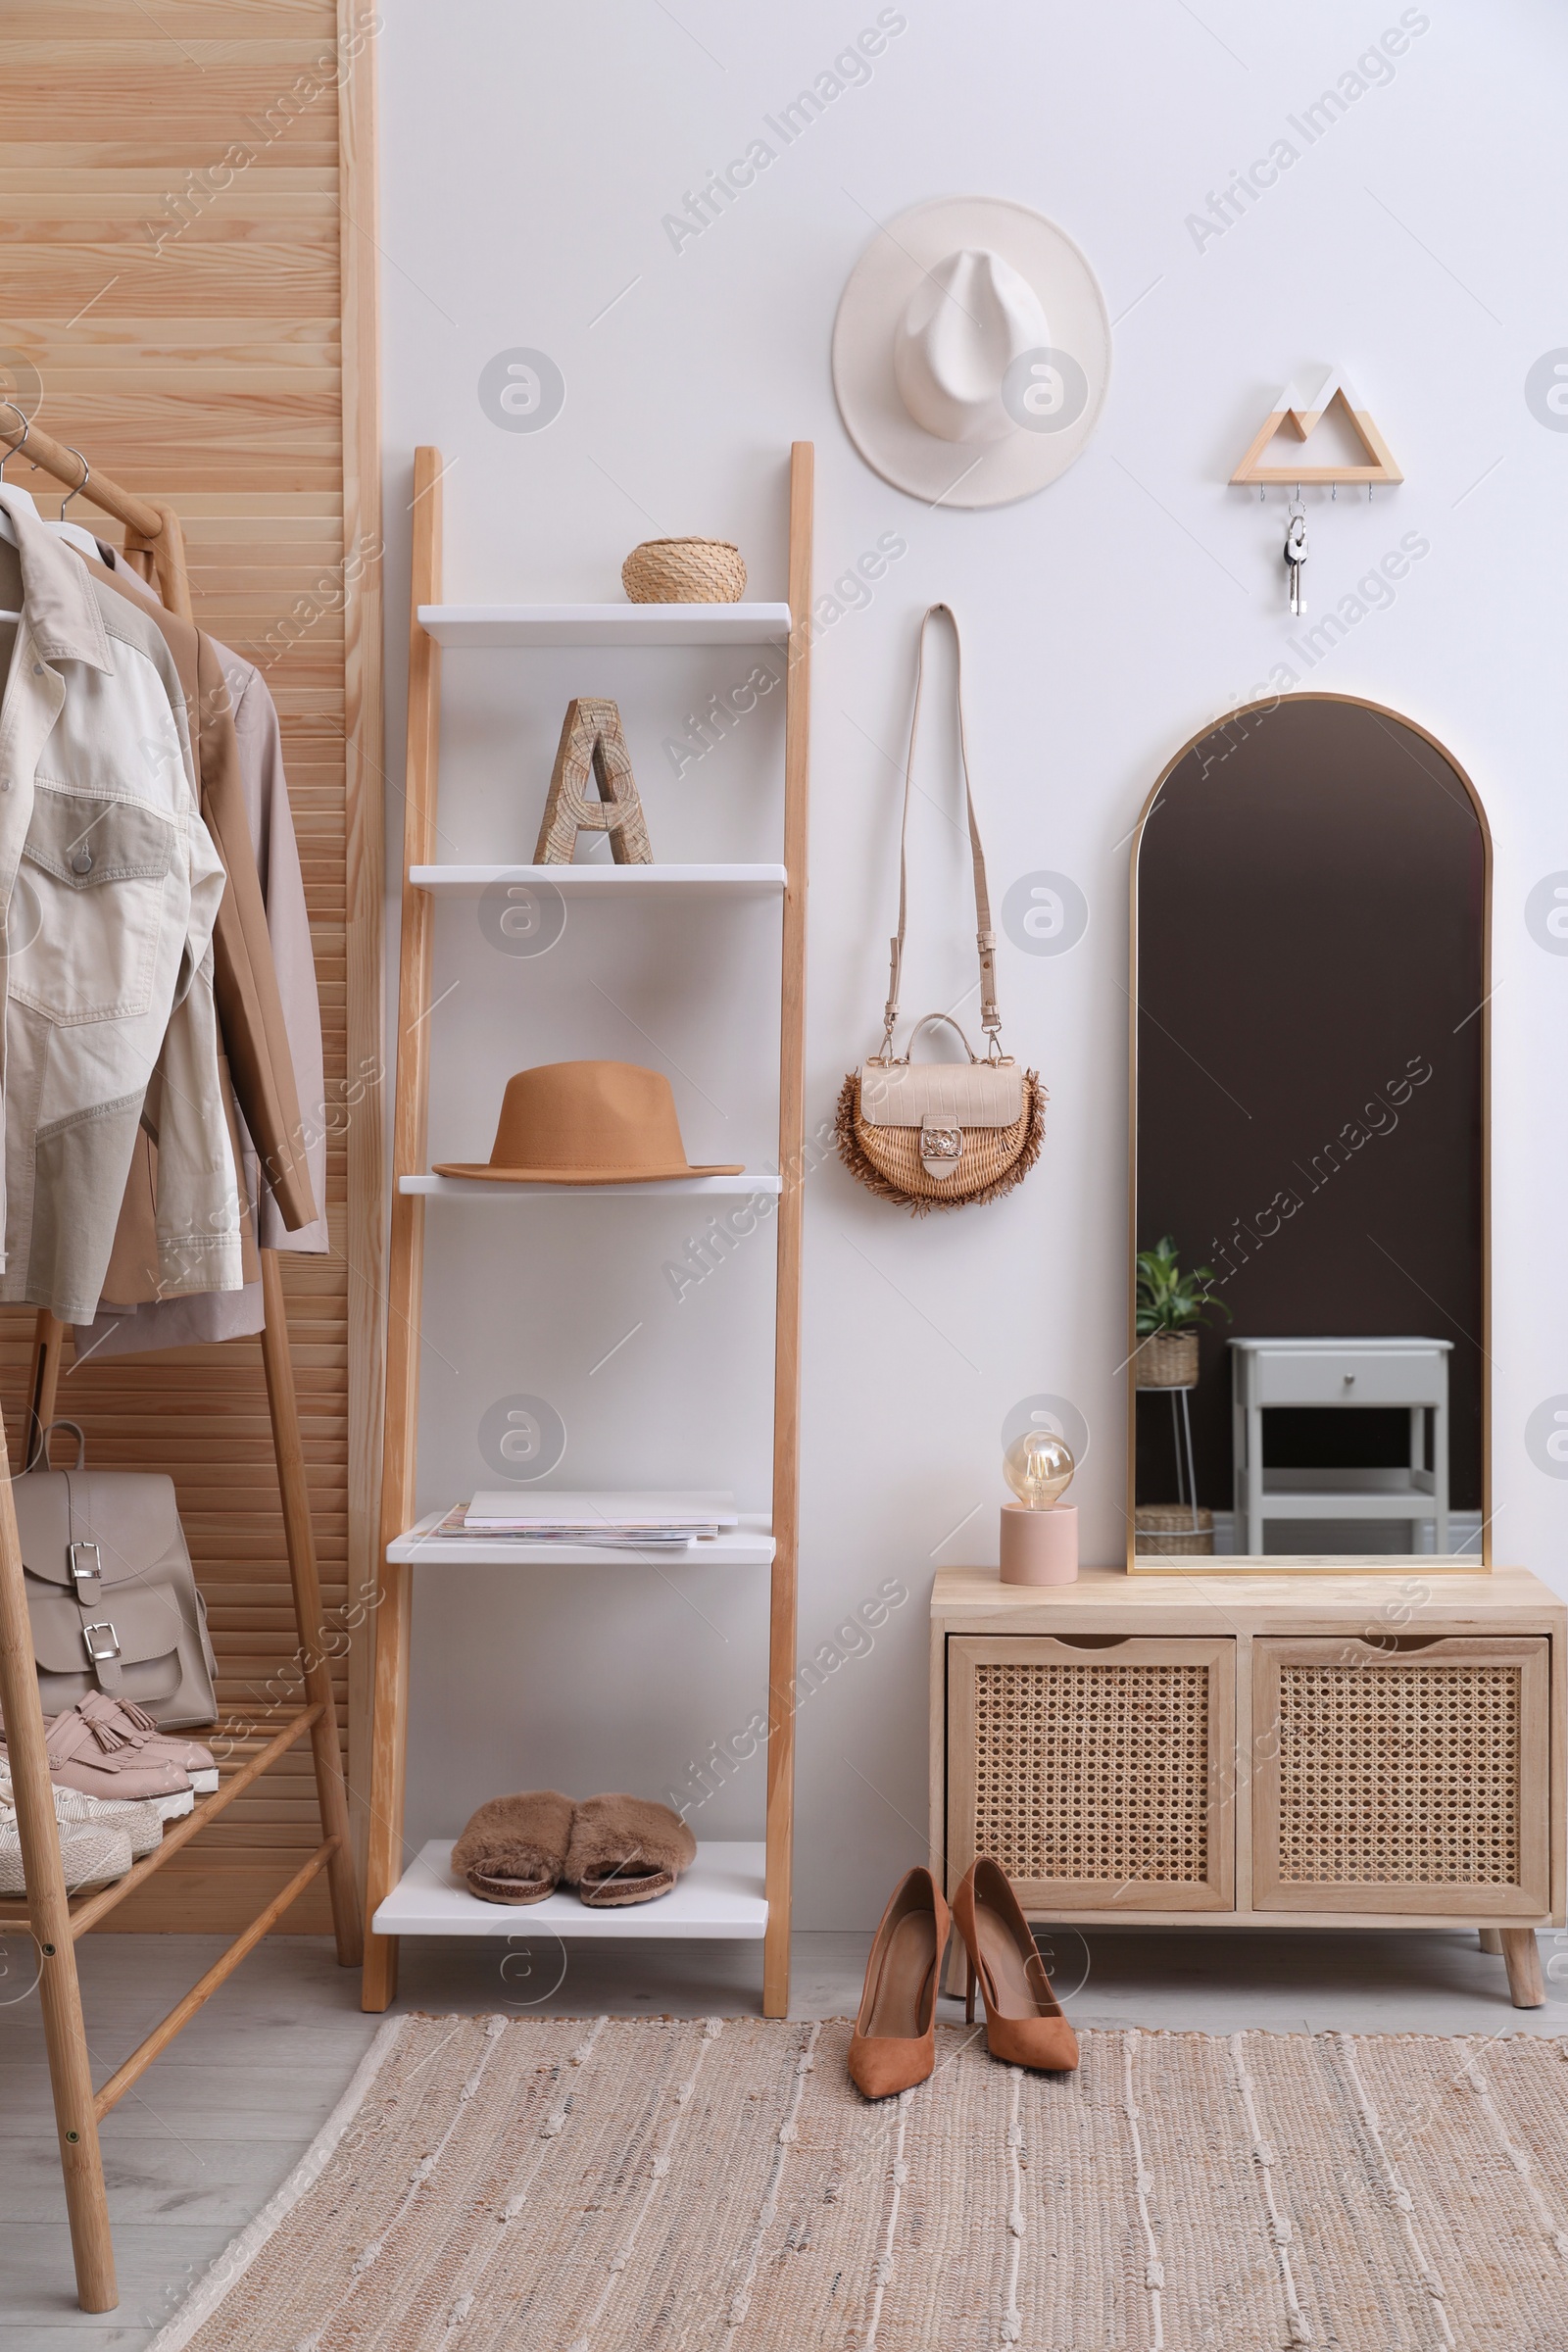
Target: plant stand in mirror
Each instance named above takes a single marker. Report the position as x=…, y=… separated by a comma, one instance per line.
x=1181, y=1439
x=1165, y=1531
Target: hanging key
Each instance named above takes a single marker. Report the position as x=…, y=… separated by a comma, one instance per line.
x=1295, y=557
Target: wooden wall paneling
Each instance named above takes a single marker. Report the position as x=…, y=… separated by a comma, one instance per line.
x=186, y=247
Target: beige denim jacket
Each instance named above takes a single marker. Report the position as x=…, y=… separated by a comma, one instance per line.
x=109, y=888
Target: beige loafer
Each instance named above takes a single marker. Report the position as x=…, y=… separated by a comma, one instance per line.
x=79, y=1758
x=127, y=1720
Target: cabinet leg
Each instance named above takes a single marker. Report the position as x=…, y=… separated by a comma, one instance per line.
x=1492, y=1941
x=1521, y=1956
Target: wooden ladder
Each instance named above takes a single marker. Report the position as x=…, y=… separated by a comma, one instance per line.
x=406, y=1262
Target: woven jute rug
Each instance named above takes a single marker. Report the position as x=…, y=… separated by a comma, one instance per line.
x=599, y=2185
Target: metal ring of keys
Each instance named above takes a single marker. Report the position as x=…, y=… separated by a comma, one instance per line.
x=1295, y=555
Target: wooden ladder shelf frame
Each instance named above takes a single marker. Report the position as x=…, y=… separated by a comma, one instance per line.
x=406, y=1260
x=45, y=1912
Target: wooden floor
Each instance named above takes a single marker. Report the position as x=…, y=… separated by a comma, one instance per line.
x=207, y=2135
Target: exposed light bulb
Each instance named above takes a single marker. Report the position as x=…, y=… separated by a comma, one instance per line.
x=1038, y=1467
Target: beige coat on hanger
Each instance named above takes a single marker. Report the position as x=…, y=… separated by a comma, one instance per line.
x=109, y=886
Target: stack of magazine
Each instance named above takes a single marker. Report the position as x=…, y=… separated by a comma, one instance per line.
x=640, y=1522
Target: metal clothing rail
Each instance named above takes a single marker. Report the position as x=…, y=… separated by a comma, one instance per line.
x=152, y=530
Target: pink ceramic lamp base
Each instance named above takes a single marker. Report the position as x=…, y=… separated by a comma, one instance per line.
x=1040, y=1547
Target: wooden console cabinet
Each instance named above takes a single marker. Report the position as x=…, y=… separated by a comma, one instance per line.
x=1366, y=1751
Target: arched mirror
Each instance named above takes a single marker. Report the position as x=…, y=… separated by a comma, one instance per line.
x=1311, y=900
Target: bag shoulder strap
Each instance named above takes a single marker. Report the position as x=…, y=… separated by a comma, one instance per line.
x=38, y=1447
x=985, y=937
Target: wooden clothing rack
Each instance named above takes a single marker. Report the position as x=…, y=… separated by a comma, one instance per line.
x=53, y=1920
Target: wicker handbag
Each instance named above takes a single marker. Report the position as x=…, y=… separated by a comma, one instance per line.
x=941, y=1134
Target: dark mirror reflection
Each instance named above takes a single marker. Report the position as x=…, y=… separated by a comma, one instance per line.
x=1309, y=949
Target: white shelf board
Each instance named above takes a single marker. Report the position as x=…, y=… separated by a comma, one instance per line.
x=605, y=881
x=749, y=1545
x=478, y=1188
x=485, y=626
x=1317, y=1503
x=719, y=1899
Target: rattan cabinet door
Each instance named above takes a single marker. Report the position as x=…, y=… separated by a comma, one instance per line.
x=1097, y=1773
x=1409, y=1777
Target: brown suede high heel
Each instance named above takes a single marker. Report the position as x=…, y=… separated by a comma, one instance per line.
x=1024, y=2020
x=894, y=2043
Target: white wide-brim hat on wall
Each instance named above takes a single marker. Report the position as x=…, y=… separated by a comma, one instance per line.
x=971, y=352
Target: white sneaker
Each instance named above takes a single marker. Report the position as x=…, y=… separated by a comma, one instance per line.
x=91, y=1851
x=140, y=1820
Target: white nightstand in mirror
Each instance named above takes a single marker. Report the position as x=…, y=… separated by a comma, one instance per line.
x=1411, y=1374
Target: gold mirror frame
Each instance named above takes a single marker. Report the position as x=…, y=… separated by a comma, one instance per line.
x=1387, y=1563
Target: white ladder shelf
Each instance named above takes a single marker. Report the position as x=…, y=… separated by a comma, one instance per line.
x=735, y=1891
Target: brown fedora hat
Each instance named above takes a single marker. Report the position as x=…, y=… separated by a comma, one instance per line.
x=585, y=1122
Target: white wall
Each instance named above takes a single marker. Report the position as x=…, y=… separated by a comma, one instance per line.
x=529, y=155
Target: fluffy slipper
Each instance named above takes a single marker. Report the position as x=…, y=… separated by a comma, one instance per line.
x=514, y=1851
x=627, y=1849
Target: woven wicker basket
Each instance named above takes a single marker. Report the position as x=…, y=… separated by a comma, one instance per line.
x=1166, y=1359
x=1165, y=1531
x=684, y=571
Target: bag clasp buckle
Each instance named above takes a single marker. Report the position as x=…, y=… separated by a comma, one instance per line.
x=941, y=1146
x=84, y=1569
x=101, y=1657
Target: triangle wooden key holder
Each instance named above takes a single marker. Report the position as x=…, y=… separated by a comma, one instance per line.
x=593, y=750
x=1303, y=417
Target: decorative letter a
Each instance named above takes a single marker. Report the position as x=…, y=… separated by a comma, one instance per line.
x=592, y=744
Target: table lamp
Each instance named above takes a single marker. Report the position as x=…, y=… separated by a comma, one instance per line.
x=1039, y=1531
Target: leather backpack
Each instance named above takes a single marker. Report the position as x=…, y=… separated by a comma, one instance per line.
x=112, y=1596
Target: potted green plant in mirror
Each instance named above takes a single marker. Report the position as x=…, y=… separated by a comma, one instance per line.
x=1168, y=1307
